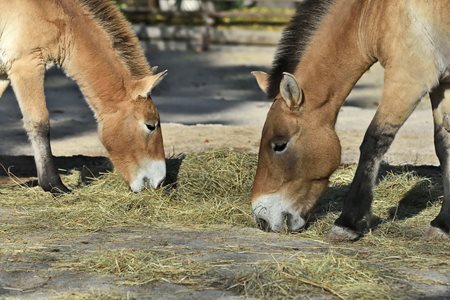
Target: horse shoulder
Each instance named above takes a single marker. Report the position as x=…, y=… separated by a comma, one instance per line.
x=31, y=28
x=413, y=39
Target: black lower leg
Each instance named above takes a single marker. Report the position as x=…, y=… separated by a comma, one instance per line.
x=442, y=146
x=48, y=176
x=442, y=221
x=357, y=204
x=441, y=111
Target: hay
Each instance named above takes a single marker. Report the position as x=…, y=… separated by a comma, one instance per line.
x=212, y=191
x=209, y=192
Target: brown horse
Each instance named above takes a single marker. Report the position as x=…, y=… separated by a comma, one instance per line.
x=95, y=45
x=326, y=48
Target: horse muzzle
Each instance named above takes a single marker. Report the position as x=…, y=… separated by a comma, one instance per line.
x=273, y=212
x=151, y=173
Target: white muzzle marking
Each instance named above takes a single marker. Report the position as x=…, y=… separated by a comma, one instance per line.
x=152, y=171
x=276, y=210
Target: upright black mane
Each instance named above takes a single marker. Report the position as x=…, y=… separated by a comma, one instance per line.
x=124, y=41
x=294, y=40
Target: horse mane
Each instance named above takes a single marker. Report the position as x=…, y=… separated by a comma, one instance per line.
x=295, y=39
x=124, y=40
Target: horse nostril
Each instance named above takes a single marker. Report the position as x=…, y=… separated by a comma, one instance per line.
x=263, y=224
x=289, y=221
x=294, y=224
x=279, y=146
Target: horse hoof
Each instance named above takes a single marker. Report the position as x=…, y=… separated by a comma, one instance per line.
x=60, y=191
x=340, y=234
x=56, y=190
x=434, y=233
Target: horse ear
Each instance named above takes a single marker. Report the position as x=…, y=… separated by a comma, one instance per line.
x=262, y=78
x=147, y=84
x=290, y=91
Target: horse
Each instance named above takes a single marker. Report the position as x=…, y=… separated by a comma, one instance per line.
x=95, y=45
x=322, y=53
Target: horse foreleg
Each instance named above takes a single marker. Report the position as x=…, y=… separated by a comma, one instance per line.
x=3, y=85
x=27, y=79
x=440, y=100
x=398, y=102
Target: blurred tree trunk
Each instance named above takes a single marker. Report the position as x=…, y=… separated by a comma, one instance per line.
x=207, y=7
x=153, y=4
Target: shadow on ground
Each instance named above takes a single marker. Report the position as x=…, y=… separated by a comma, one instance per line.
x=89, y=167
x=411, y=204
x=213, y=87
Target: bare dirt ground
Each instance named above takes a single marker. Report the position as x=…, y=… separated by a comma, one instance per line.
x=39, y=279
x=208, y=101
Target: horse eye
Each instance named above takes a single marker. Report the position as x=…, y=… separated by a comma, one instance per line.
x=152, y=127
x=279, y=146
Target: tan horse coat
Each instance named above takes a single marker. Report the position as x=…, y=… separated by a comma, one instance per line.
x=95, y=45
x=313, y=73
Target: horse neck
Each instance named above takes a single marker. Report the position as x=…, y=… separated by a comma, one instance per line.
x=336, y=57
x=96, y=67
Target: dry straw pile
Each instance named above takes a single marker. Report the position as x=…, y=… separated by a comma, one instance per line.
x=210, y=191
